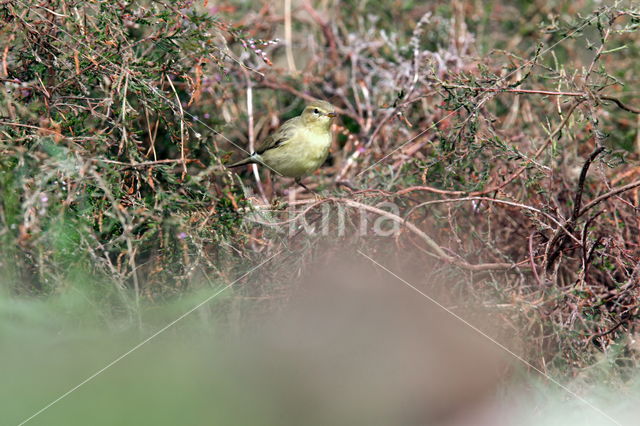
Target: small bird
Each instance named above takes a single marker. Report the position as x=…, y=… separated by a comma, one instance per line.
x=300, y=146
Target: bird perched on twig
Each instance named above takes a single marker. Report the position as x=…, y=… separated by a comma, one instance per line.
x=299, y=146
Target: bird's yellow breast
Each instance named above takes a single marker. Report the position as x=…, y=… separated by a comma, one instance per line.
x=302, y=154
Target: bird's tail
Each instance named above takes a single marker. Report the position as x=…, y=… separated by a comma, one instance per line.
x=248, y=160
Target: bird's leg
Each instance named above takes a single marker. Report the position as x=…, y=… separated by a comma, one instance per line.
x=299, y=182
x=315, y=194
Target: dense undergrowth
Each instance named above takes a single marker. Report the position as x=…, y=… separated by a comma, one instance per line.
x=502, y=139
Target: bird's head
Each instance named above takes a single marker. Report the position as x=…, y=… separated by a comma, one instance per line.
x=318, y=114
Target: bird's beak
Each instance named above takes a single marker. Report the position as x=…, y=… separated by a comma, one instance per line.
x=331, y=114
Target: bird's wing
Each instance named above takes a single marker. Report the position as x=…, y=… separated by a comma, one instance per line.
x=280, y=137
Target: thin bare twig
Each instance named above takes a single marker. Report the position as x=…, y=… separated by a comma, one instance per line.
x=252, y=137
x=607, y=195
x=179, y=103
x=288, y=36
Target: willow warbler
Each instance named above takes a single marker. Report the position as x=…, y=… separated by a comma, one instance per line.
x=299, y=146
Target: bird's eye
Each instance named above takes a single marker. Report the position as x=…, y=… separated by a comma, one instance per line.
x=315, y=111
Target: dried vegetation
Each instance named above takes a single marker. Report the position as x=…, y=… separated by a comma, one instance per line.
x=506, y=136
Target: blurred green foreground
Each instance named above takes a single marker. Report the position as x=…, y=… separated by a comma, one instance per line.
x=343, y=352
